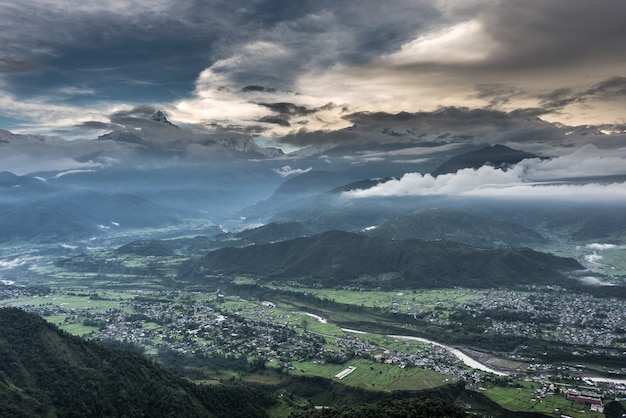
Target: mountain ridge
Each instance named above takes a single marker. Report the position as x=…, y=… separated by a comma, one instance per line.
x=47, y=372
x=458, y=226
x=338, y=258
x=499, y=156
x=157, y=133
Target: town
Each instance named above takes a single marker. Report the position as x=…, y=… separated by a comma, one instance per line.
x=195, y=328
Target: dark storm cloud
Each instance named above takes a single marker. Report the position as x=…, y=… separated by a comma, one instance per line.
x=137, y=112
x=248, y=89
x=109, y=45
x=309, y=35
x=445, y=125
x=127, y=52
x=95, y=125
x=275, y=120
x=10, y=65
x=557, y=99
x=557, y=33
x=452, y=117
x=288, y=109
x=499, y=94
x=274, y=62
x=614, y=87
x=610, y=89
x=304, y=138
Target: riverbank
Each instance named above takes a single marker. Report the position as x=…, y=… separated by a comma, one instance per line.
x=470, y=362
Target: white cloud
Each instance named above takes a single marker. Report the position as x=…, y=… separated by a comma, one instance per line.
x=601, y=247
x=65, y=173
x=219, y=98
x=22, y=163
x=46, y=115
x=529, y=179
x=595, y=281
x=287, y=170
x=462, y=182
x=587, y=161
x=462, y=42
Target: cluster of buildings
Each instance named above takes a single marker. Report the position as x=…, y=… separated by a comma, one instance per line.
x=556, y=315
x=589, y=398
x=197, y=324
x=8, y=290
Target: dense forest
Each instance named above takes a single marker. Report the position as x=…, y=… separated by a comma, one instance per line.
x=409, y=408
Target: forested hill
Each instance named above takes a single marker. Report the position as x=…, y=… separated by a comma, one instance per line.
x=46, y=372
x=338, y=258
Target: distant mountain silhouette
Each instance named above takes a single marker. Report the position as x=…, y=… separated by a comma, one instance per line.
x=458, y=226
x=498, y=156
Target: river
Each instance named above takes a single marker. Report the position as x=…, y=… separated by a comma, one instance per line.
x=457, y=353
x=606, y=380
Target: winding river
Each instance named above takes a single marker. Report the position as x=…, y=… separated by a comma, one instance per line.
x=467, y=360
x=457, y=353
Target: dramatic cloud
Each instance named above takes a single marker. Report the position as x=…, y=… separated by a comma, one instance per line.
x=531, y=178
x=285, y=68
x=464, y=42
x=16, y=65
x=460, y=126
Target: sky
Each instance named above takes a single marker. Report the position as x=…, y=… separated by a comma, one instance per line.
x=543, y=76
x=283, y=68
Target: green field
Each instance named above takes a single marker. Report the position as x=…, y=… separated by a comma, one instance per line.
x=424, y=298
x=525, y=398
x=374, y=376
x=75, y=300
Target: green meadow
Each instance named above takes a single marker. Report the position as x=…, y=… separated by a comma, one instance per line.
x=425, y=298
x=525, y=398
x=373, y=376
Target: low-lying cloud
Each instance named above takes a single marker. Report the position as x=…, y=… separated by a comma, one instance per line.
x=286, y=171
x=531, y=178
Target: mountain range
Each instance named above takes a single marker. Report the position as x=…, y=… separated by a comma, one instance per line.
x=158, y=134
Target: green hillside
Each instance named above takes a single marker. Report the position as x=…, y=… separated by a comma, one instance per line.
x=338, y=258
x=45, y=372
x=458, y=226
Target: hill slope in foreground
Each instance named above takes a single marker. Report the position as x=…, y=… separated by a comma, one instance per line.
x=343, y=258
x=45, y=372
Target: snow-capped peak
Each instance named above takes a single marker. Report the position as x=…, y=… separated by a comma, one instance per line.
x=160, y=117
